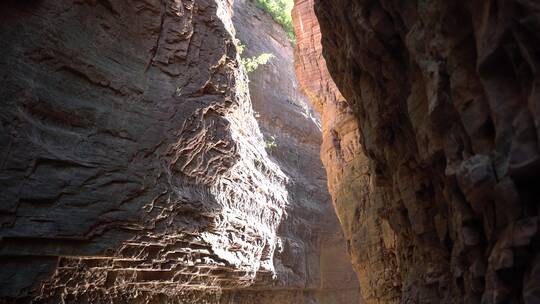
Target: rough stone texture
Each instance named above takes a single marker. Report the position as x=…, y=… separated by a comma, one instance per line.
x=345, y=163
x=441, y=200
x=313, y=256
x=133, y=169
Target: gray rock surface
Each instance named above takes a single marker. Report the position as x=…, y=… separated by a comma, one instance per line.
x=133, y=169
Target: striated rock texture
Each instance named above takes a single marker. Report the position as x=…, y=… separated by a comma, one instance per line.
x=133, y=169
x=312, y=264
x=345, y=163
x=441, y=200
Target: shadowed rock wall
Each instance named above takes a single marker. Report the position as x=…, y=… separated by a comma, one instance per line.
x=444, y=95
x=132, y=167
x=344, y=160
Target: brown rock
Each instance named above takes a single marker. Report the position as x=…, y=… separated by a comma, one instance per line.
x=133, y=169
x=348, y=180
x=443, y=97
x=312, y=265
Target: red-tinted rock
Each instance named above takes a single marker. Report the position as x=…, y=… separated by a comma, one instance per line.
x=444, y=96
x=133, y=169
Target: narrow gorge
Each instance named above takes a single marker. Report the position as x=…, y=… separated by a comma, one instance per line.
x=238, y=152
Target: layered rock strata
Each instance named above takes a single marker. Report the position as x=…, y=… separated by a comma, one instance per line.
x=345, y=162
x=442, y=197
x=312, y=265
x=132, y=167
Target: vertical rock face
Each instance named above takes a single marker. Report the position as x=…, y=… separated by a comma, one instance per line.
x=445, y=97
x=133, y=169
x=311, y=264
x=346, y=164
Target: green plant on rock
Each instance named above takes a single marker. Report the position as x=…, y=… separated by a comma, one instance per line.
x=240, y=47
x=271, y=143
x=251, y=64
x=280, y=10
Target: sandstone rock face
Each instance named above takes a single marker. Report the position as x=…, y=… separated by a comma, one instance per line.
x=441, y=198
x=312, y=264
x=133, y=169
x=345, y=162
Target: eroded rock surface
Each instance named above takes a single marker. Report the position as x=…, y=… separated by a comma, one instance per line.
x=312, y=264
x=132, y=167
x=440, y=199
x=346, y=164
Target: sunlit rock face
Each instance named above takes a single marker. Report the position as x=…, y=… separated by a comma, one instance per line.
x=312, y=265
x=346, y=165
x=132, y=167
x=444, y=95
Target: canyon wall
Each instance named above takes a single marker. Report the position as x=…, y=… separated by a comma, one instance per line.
x=133, y=169
x=313, y=259
x=439, y=196
x=368, y=238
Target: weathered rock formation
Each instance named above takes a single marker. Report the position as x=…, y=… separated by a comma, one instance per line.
x=440, y=199
x=313, y=258
x=133, y=169
x=345, y=163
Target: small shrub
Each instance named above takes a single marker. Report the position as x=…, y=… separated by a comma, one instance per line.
x=251, y=64
x=240, y=46
x=280, y=10
x=271, y=143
